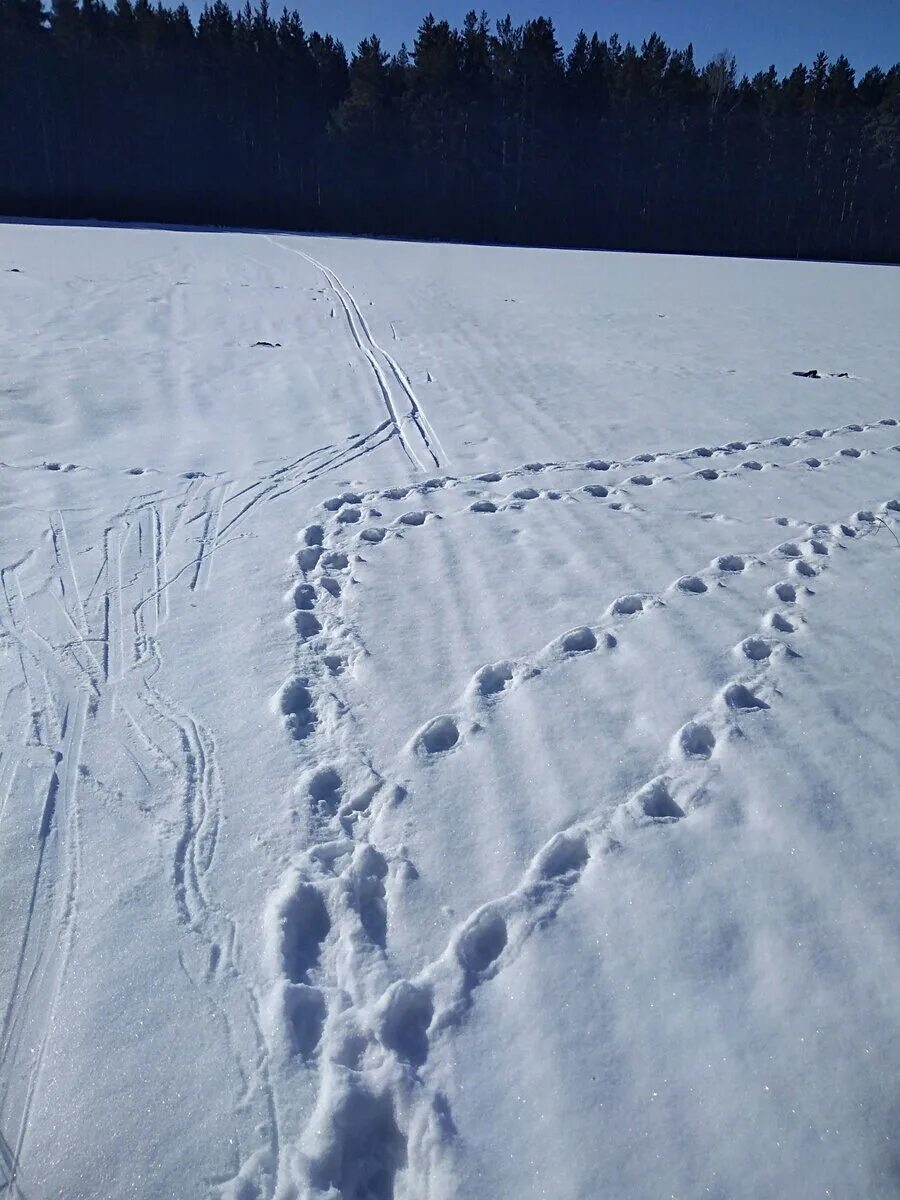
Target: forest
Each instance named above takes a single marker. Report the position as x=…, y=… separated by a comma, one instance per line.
x=490, y=132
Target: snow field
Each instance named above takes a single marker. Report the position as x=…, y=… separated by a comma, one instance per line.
x=382, y=819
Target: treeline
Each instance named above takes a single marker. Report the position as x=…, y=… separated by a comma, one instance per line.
x=486, y=133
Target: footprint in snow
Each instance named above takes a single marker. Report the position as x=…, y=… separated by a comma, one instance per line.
x=416, y=517
x=438, y=736
x=655, y=800
x=336, y=560
x=303, y=1012
x=626, y=606
x=402, y=1020
x=696, y=740
x=308, y=558
x=295, y=704
x=780, y=623
x=482, y=941
x=491, y=679
x=373, y=535
x=306, y=624
x=756, y=649
x=578, y=641
x=304, y=926
x=738, y=696
x=692, y=584
x=304, y=596
x=335, y=502
x=324, y=788
x=483, y=506
x=732, y=563
x=564, y=857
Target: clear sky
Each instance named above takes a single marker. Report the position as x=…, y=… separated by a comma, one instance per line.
x=757, y=32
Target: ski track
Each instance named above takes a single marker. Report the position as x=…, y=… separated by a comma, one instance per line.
x=327, y=1005
x=78, y=677
x=425, y=441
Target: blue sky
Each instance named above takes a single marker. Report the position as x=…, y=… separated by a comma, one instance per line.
x=757, y=32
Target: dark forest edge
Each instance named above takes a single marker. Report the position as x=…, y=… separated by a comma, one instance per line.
x=486, y=133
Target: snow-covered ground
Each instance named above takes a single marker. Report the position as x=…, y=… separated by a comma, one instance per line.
x=450, y=752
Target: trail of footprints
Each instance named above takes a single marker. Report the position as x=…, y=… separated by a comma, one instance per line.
x=335, y=1007
x=352, y=507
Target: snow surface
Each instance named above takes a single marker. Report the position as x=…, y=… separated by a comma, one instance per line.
x=450, y=751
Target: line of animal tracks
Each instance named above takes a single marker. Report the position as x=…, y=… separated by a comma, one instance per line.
x=337, y=1038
